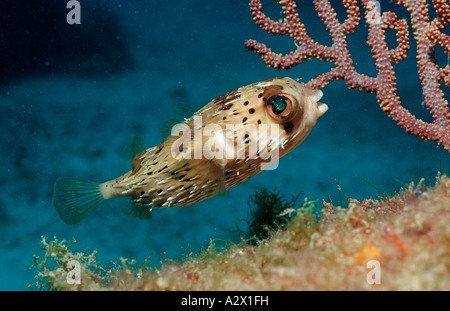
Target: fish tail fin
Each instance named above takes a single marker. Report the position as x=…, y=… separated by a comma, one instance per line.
x=75, y=199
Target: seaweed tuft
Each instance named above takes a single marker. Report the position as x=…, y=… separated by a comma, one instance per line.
x=269, y=210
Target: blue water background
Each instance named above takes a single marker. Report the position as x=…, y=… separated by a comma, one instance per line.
x=73, y=96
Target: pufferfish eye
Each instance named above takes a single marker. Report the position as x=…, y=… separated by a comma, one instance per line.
x=280, y=106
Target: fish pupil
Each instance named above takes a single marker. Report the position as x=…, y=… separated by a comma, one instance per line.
x=278, y=104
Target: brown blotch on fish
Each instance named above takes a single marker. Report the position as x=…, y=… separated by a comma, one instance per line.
x=227, y=107
x=136, y=164
x=228, y=97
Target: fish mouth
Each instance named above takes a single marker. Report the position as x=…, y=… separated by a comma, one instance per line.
x=321, y=108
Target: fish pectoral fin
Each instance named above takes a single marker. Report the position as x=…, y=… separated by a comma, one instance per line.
x=221, y=188
x=222, y=193
x=203, y=169
x=141, y=211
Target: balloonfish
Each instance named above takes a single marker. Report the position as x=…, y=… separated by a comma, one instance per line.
x=232, y=138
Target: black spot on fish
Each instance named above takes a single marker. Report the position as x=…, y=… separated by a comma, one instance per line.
x=162, y=169
x=142, y=192
x=245, y=119
x=246, y=103
x=251, y=110
x=159, y=191
x=288, y=127
x=260, y=95
x=259, y=121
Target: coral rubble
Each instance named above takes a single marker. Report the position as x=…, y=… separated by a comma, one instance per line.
x=391, y=243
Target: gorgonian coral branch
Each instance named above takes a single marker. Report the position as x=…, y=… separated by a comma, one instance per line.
x=427, y=33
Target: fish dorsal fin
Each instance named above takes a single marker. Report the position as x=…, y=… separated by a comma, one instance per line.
x=185, y=110
x=166, y=128
x=135, y=147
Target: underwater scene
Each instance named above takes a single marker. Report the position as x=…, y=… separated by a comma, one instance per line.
x=90, y=95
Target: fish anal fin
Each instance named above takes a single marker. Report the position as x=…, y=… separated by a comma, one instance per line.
x=136, y=209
